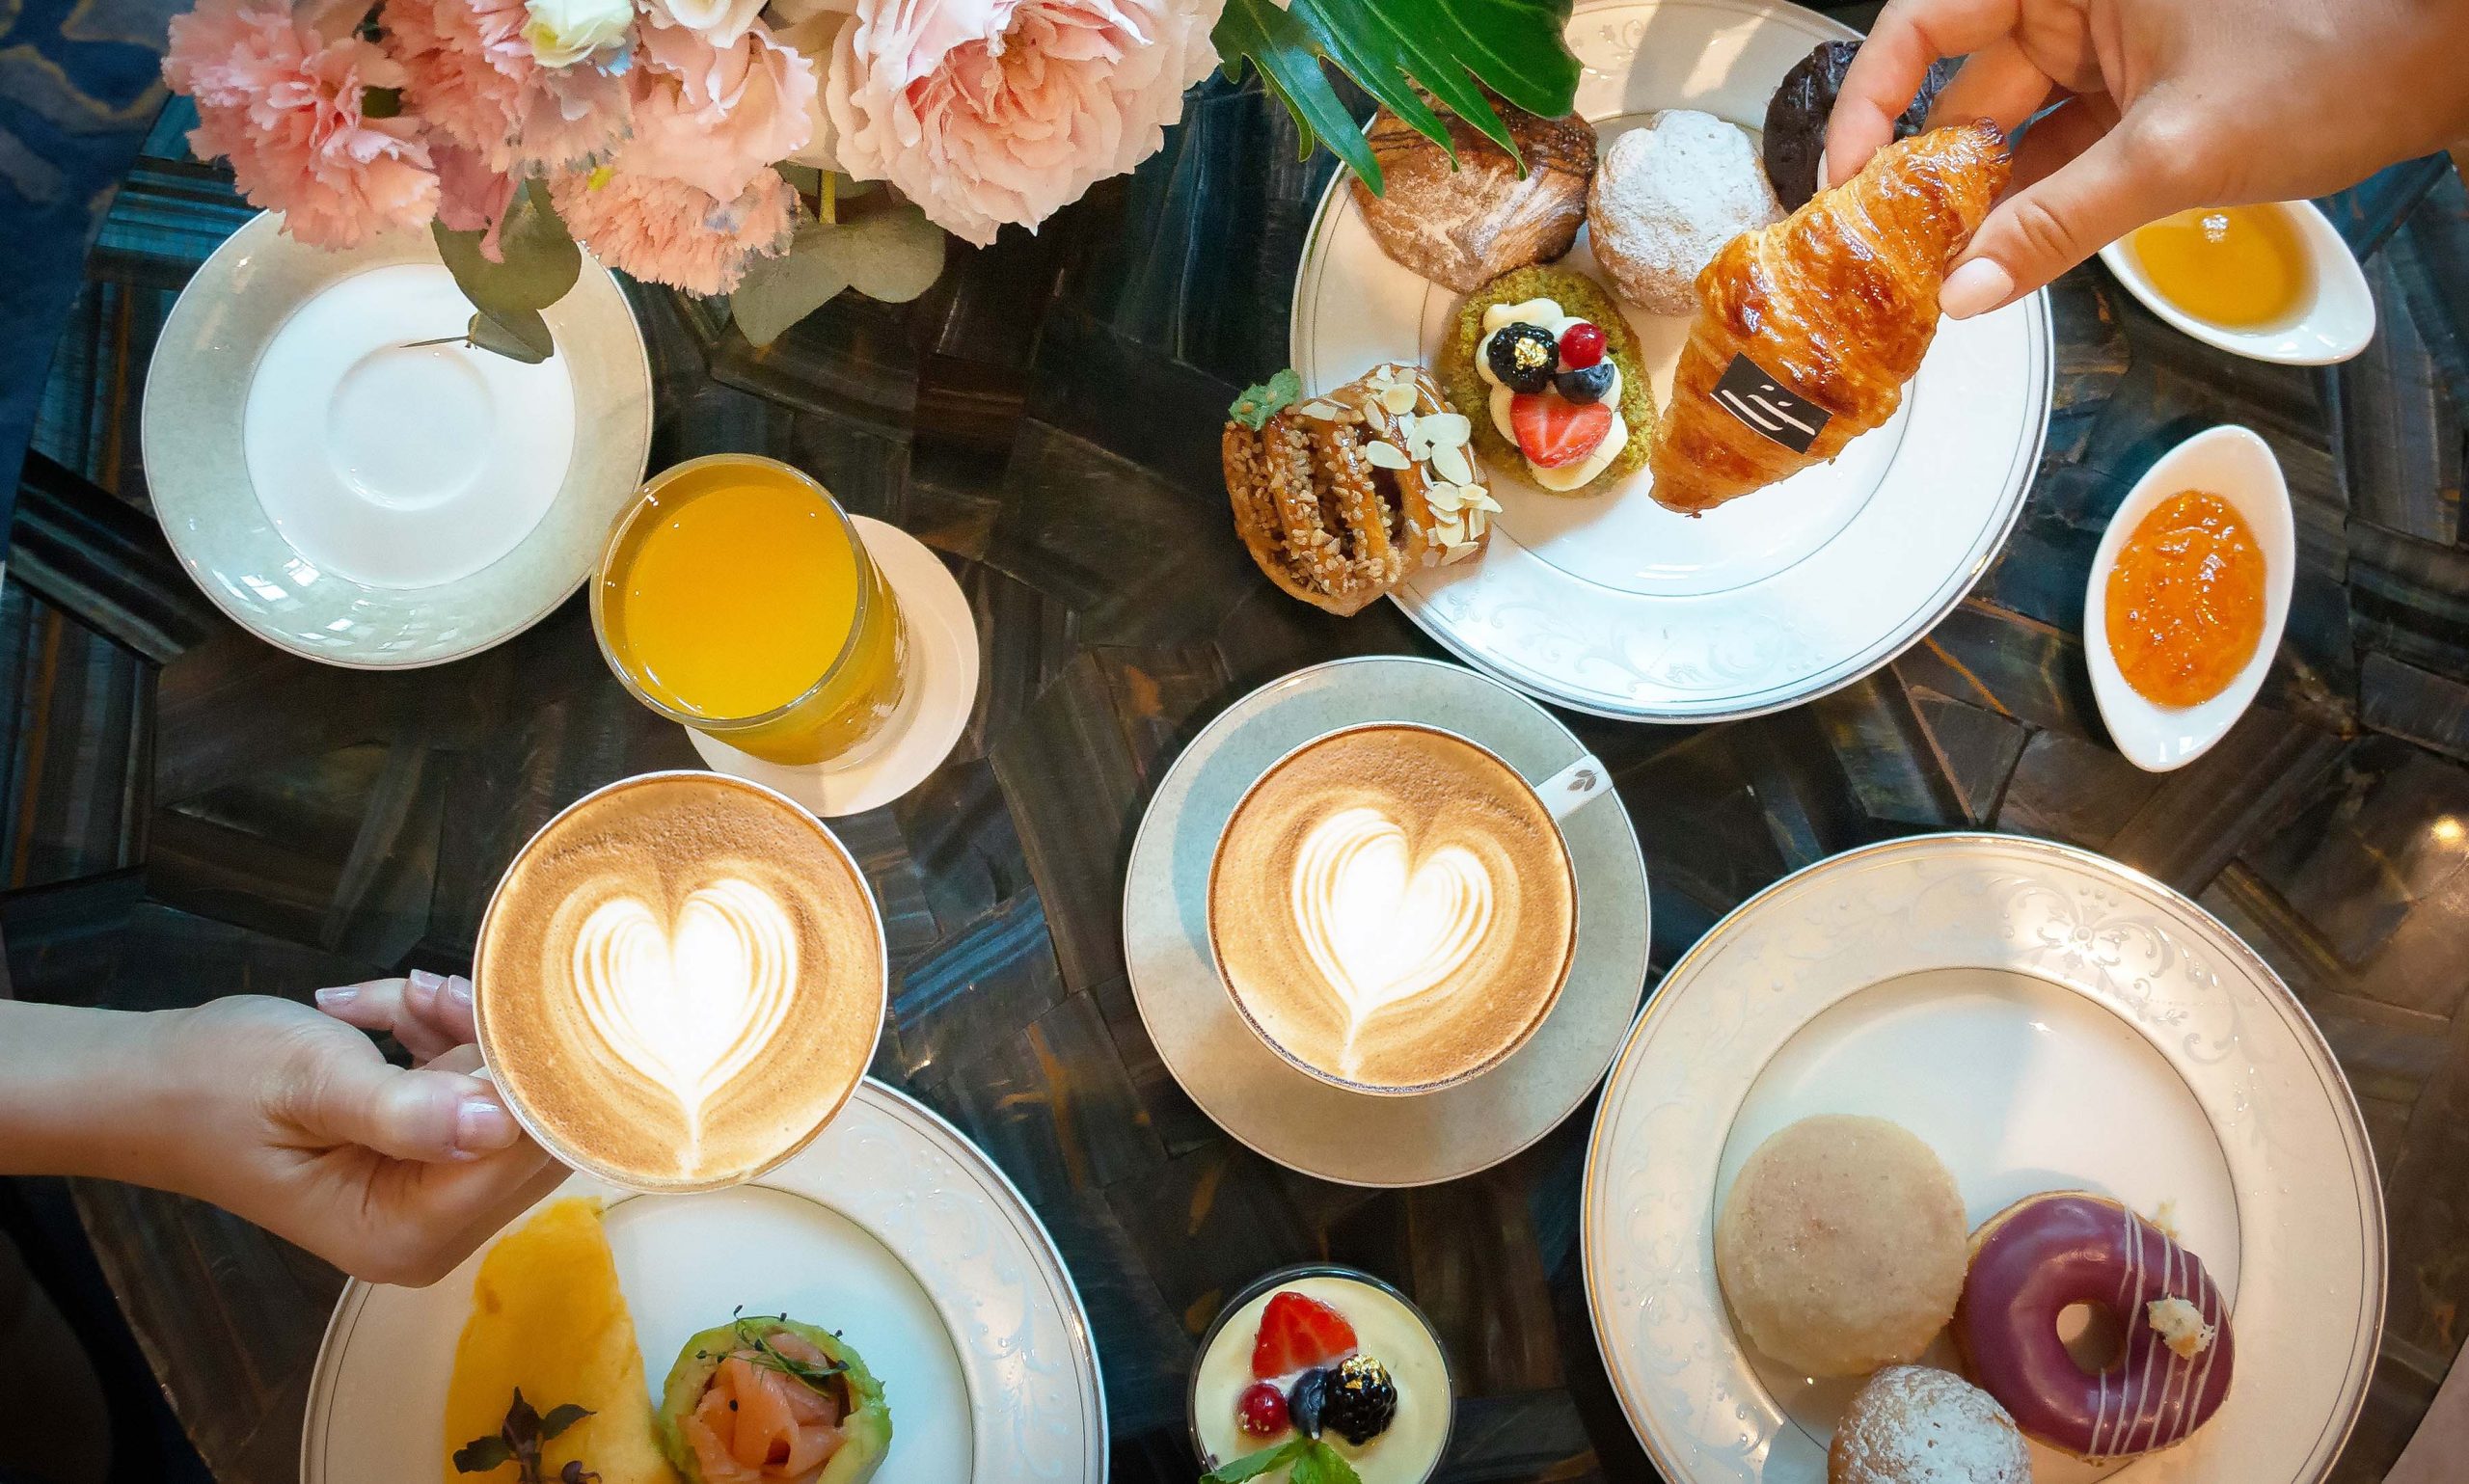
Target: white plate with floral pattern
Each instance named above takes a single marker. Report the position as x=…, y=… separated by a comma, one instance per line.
x=2044, y=1018
x=891, y=1227
x=1613, y=604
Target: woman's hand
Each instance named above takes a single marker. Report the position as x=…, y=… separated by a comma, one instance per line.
x=283, y=1116
x=2166, y=104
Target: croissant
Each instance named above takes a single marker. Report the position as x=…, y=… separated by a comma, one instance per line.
x=1807, y=329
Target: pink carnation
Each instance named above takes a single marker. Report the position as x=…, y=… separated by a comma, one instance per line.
x=990, y=111
x=715, y=117
x=473, y=77
x=667, y=231
x=280, y=93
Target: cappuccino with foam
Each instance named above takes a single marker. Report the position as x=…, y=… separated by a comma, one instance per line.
x=679, y=982
x=1393, y=908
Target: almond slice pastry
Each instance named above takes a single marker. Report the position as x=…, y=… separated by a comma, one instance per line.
x=1340, y=497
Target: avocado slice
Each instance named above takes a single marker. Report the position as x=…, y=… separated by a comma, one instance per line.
x=867, y=1426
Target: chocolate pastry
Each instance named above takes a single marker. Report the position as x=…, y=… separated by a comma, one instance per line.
x=1340, y=497
x=1796, y=117
x=1464, y=225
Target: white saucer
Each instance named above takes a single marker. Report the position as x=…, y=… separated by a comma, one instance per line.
x=892, y=1228
x=349, y=495
x=942, y=689
x=1296, y=1120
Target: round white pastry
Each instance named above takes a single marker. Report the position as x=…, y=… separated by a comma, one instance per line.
x=1666, y=198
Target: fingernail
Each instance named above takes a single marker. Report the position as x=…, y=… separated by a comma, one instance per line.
x=458, y=989
x=1975, y=288
x=336, y=997
x=481, y=1127
x=422, y=979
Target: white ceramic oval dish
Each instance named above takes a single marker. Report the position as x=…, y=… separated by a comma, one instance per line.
x=2237, y=464
x=2336, y=323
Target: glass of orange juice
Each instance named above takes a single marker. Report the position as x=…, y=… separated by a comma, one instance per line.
x=736, y=598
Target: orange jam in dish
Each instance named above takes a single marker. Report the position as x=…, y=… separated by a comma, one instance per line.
x=2186, y=600
x=2237, y=267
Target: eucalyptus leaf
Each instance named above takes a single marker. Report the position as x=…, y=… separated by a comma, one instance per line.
x=540, y=260
x=522, y=335
x=891, y=252
x=1515, y=47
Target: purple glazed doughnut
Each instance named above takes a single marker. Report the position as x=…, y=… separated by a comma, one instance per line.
x=2042, y=1254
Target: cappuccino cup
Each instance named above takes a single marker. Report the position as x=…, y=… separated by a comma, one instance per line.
x=680, y=980
x=1392, y=907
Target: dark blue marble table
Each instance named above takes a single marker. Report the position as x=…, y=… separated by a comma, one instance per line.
x=190, y=813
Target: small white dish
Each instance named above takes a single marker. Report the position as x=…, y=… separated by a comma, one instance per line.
x=364, y=500
x=2237, y=466
x=1255, y=1095
x=891, y=1227
x=2335, y=323
x=942, y=690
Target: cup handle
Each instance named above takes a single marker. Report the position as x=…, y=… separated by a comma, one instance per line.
x=1567, y=791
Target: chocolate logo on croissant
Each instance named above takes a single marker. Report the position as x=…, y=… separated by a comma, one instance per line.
x=1755, y=395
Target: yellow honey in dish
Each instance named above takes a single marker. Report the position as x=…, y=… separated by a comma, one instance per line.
x=737, y=589
x=2237, y=267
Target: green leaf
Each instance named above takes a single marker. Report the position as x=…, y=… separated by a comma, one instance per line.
x=1251, y=1465
x=1516, y=47
x=381, y=102
x=890, y=252
x=483, y=1455
x=1335, y=1468
x=1259, y=404
x=541, y=261
x=559, y=1419
x=521, y=335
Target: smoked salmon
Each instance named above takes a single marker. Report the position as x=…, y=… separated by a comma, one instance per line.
x=771, y=1401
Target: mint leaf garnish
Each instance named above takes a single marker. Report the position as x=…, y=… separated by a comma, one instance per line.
x=1251, y=1465
x=1259, y=404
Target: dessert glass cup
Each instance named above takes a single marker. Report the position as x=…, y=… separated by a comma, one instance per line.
x=565, y=1152
x=846, y=708
x=1301, y=1269
x=1559, y=795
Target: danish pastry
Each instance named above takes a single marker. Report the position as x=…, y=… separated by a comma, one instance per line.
x=1340, y=497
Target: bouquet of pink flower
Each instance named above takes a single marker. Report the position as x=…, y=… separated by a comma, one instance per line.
x=649, y=130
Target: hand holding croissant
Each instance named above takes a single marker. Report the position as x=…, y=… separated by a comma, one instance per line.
x=1807, y=329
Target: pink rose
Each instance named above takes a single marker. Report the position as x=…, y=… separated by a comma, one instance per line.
x=990, y=111
x=714, y=116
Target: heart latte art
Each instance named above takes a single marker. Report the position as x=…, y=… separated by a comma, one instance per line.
x=1392, y=908
x=688, y=1008
x=680, y=980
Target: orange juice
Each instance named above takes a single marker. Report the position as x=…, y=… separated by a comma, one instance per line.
x=2237, y=267
x=736, y=598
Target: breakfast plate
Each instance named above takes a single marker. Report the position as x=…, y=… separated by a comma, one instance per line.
x=1297, y=1119
x=2044, y=1019
x=891, y=1222
x=1611, y=604
x=349, y=489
